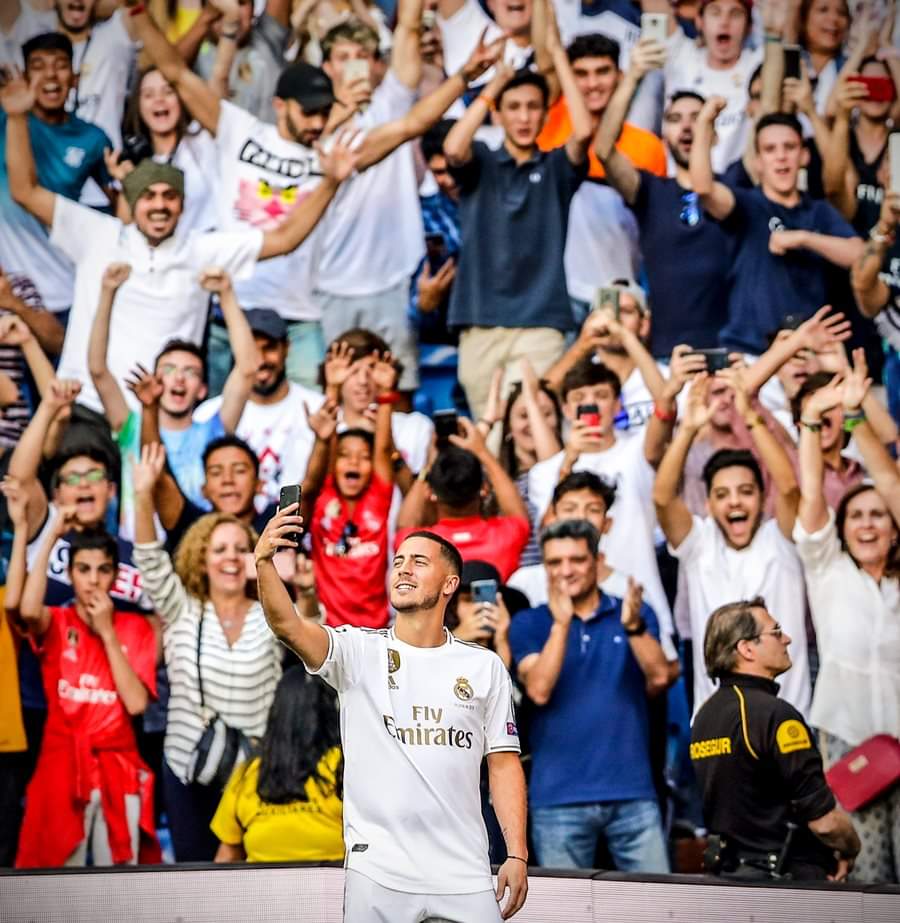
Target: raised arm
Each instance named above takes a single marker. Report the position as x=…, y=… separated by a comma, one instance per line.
x=509, y=500
x=200, y=99
x=715, y=197
x=406, y=54
x=384, y=377
x=813, y=508
x=17, y=98
x=324, y=424
x=34, y=615
x=111, y=396
x=14, y=332
x=458, y=143
x=582, y=129
x=17, y=510
x=246, y=354
x=43, y=324
x=546, y=442
x=543, y=27
x=226, y=51
x=838, y=173
x=674, y=516
x=308, y=640
x=869, y=290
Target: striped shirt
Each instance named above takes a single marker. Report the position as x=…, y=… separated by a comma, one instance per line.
x=238, y=682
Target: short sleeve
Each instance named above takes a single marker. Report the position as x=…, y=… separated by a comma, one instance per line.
x=391, y=100
x=500, y=730
x=691, y=544
x=234, y=125
x=342, y=667
x=236, y=252
x=225, y=824
x=818, y=550
x=527, y=635
x=798, y=763
x=830, y=221
x=79, y=231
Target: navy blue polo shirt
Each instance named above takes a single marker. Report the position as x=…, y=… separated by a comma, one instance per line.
x=687, y=265
x=765, y=287
x=513, y=219
x=590, y=742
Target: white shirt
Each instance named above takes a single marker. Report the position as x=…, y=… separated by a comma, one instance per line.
x=373, y=238
x=415, y=725
x=161, y=300
x=768, y=567
x=262, y=179
x=193, y=155
x=572, y=23
x=687, y=69
x=602, y=242
x=629, y=544
x=29, y=23
x=278, y=433
x=858, y=635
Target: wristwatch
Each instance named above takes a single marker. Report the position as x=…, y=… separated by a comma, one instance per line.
x=639, y=629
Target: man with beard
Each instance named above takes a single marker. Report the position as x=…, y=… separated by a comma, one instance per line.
x=419, y=711
x=687, y=274
x=162, y=298
x=274, y=422
x=734, y=551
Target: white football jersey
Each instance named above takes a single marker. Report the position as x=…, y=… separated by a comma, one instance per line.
x=416, y=723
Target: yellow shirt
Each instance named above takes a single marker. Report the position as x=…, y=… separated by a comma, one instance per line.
x=302, y=831
x=12, y=730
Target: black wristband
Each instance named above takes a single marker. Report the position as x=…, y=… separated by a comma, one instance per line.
x=639, y=629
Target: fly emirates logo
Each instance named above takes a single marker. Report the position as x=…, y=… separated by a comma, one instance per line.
x=87, y=691
x=427, y=731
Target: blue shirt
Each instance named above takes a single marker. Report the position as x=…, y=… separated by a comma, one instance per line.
x=184, y=452
x=765, y=287
x=591, y=742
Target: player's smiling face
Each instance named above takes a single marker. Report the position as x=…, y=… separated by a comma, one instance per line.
x=420, y=576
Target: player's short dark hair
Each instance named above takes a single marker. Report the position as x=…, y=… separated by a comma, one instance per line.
x=594, y=45
x=578, y=529
x=182, y=346
x=586, y=373
x=433, y=139
x=585, y=480
x=777, y=118
x=449, y=551
x=526, y=78
x=456, y=477
x=230, y=441
x=732, y=458
x=95, y=539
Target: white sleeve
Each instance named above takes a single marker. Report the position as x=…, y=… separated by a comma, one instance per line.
x=391, y=100
x=542, y=480
x=500, y=729
x=342, y=666
x=235, y=251
x=78, y=230
x=818, y=550
x=234, y=127
x=691, y=544
x=460, y=34
x=681, y=54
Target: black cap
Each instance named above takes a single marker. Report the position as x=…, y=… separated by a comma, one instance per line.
x=310, y=86
x=266, y=322
x=48, y=41
x=477, y=570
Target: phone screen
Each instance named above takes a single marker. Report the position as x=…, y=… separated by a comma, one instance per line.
x=484, y=591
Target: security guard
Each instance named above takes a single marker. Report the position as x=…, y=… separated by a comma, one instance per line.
x=766, y=803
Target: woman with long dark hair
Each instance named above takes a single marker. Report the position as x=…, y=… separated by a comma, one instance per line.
x=285, y=805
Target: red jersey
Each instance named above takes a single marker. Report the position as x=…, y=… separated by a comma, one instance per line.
x=498, y=540
x=349, y=554
x=88, y=740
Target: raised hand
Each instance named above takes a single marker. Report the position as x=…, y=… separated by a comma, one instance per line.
x=61, y=393
x=823, y=329
x=215, y=279
x=66, y=520
x=583, y=437
x=99, y=610
x=16, y=500
x=433, y=289
x=115, y=275
x=711, y=109
x=849, y=95
x=825, y=399
x=324, y=421
x=646, y=56
x=117, y=168
x=560, y=601
x=736, y=377
x=338, y=163
x=631, y=605
x=338, y=364
x=683, y=365
x=14, y=331
x=697, y=411
x=145, y=473
x=469, y=438
x=145, y=386
x=856, y=382
x=484, y=56
x=384, y=372
x=272, y=540
x=16, y=95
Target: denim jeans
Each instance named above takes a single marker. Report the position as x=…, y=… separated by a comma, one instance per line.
x=565, y=836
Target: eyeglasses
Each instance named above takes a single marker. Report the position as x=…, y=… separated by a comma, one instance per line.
x=342, y=546
x=189, y=372
x=690, y=209
x=776, y=632
x=76, y=478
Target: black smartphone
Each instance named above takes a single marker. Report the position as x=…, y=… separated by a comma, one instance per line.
x=792, y=61
x=446, y=424
x=589, y=414
x=792, y=321
x=289, y=494
x=716, y=359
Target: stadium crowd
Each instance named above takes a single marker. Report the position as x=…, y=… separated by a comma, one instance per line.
x=608, y=299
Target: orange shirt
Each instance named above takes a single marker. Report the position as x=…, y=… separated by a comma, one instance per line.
x=641, y=147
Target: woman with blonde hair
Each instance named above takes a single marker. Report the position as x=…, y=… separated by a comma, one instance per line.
x=223, y=662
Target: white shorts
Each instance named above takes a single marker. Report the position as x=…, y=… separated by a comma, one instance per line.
x=366, y=901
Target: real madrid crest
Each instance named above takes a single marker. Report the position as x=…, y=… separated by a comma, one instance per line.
x=463, y=690
x=393, y=660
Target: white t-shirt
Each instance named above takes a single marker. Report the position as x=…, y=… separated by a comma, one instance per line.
x=687, y=69
x=412, y=438
x=768, y=567
x=262, y=179
x=602, y=241
x=415, y=725
x=629, y=544
x=573, y=22
x=161, y=300
x=278, y=433
x=28, y=24
x=195, y=152
x=373, y=238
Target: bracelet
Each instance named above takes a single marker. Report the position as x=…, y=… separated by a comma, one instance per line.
x=137, y=10
x=814, y=426
x=877, y=238
x=517, y=857
x=854, y=413
x=306, y=591
x=389, y=397
x=850, y=423
x=231, y=36
x=639, y=629
x=490, y=424
x=754, y=422
x=771, y=38
x=667, y=416
x=487, y=100
x=422, y=476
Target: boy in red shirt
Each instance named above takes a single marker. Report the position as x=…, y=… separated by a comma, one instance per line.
x=346, y=499
x=90, y=789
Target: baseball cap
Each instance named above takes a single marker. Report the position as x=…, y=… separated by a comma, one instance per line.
x=267, y=323
x=630, y=287
x=310, y=86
